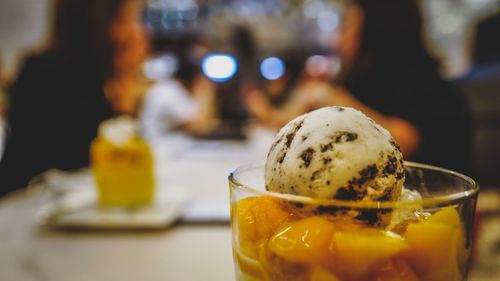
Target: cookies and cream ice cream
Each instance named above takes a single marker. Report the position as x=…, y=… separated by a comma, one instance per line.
x=337, y=153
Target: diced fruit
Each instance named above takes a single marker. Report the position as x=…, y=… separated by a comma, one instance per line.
x=278, y=268
x=450, y=216
x=359, y=252
x=257, y=220
x=320, y=274
x=248, y=266
x=395, y=270
x=447, y=215
x=433, y=249
x=306, y=240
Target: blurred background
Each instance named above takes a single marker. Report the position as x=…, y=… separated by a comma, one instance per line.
x=449, y=25
x=200, y=87
x=213, y=55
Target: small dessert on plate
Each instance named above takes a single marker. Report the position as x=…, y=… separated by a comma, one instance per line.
x=122, y=164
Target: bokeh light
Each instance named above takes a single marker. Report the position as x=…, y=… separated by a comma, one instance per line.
x=272, y=68
x=219, y=67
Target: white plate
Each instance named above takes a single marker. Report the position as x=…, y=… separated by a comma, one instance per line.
x=78, y=209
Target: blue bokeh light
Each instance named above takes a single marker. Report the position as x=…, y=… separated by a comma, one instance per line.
x=219, y=67
x=272, y=68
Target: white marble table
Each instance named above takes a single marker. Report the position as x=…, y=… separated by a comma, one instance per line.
x=194, y=249
x=28, y=252
x=197, y=248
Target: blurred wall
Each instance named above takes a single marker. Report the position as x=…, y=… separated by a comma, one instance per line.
x=23, y=26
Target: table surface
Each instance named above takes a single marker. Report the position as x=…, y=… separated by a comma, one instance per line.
x=197, y=248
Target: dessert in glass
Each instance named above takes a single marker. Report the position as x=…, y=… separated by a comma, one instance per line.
x=336, y=202
x=122, y=164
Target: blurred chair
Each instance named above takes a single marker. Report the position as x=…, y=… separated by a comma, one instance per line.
x=482, y=88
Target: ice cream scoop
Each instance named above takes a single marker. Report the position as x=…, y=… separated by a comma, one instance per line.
x=336, y=153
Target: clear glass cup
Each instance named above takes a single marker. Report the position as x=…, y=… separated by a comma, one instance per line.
x=287, y=237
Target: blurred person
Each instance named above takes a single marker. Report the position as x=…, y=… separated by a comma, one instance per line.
x=2, y=79
x=3, y=100
x=278, y=101
x=486, y=49
x=389, y=75
x=87, y=74
x=482, y=88
x=229, y=103
x=183, y=102
x=3, y=105
x=227, y=108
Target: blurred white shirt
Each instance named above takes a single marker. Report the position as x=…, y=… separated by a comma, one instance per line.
x=167, y=105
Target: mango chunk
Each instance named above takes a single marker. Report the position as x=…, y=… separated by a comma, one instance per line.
x=447, y=216
x=356, y=253
x=257, y=220
x=249, y=267
x=433, y=250
x=395, y=270
x=277, y=268
x=306, y=240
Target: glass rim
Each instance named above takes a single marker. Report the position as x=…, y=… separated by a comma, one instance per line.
x=424, y=202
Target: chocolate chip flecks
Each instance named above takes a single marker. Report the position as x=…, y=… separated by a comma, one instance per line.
x=368, y=216
x=344, y=136
x=297, y=204
x=315, y=175
x=307, y=156
x=373, y=217
x=273, y=146
x=392, y=165
x=346, y=193
x=330, y=210
x=289, y=139
x=368, y=173
x=290, y=136
x=327, y=160
x=282, y=157
x=385, y=197
x=390, y=168
x=376, y=127
x=395, y=145
x=325, y=147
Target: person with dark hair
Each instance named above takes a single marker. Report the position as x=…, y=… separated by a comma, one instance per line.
x=388, y=74
x=87, y=74
x=396, y=79
x=486, y=49
x=481, y=85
